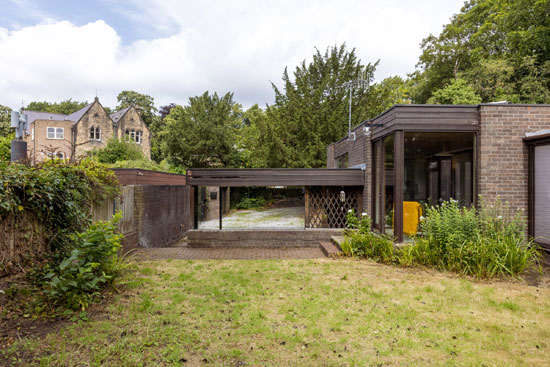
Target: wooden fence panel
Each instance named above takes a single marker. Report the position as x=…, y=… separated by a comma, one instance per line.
x=126, y=204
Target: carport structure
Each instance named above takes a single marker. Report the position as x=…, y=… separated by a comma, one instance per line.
x=329, y=192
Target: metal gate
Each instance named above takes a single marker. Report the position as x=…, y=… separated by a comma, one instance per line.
x=327, y=207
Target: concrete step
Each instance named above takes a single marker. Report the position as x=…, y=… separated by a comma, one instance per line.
x=329, y=249
x=337, y=240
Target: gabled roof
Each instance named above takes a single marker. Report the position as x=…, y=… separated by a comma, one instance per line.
x=76, y=116
x=118, y=114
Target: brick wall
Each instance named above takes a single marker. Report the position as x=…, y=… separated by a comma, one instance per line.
x=163, y=213
x=269, y=238
x=40, y=146
x=359, y=152
x=502, y=153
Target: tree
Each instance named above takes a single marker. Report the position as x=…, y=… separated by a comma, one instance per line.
x=203, y=133
x=5, y=118
x=146, y=104
x=457, y=92
x=312, y=109
x=390, y=91
x=64, y=107
x=499, y=47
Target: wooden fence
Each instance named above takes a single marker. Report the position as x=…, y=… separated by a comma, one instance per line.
x=124, y=203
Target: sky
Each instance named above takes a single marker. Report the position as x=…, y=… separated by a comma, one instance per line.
x=53, y=50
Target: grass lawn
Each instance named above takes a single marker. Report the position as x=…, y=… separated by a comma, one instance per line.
x=302, y=313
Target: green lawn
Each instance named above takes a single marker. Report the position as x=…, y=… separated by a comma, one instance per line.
x=303, y=313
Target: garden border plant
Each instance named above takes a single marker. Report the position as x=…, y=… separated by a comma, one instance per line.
x=486, y=242
x=77, y=257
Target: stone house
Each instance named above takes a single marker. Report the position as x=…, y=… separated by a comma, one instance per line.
x=417, y=154
x=71, y=136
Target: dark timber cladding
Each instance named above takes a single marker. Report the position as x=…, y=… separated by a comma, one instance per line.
x=247, y=177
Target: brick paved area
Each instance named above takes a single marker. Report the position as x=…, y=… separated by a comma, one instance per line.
x=228, y=253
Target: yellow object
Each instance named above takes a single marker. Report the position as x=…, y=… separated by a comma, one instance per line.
x=412, y=211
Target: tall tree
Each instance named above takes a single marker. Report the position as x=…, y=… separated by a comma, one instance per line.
x=501, y=48
x=203, y=133
x=5, y=118
x=146, y=103
x=64, y=107
x=311, y=110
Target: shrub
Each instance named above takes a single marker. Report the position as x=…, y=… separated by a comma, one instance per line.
x=363, y=242
x=57, y=192
x=249, y=203
x=91, y=264
x=118, y=150
x=483, y=243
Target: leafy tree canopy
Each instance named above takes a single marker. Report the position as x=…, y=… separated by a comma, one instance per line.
x=457, y=92
x=5, y=118
x=501, y=48
x=65, y=107
x=311, y=110
x=203, y=133
x=146, y=103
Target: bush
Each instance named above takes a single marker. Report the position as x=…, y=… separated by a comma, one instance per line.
x=363, y=242
x=91, y=264
x=118, y=150
x=59, y=193
x=485, y=243
x=249, y=203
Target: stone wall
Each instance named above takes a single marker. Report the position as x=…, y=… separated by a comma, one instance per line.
x=132, y=121
x=502, y=153
x=94, y=117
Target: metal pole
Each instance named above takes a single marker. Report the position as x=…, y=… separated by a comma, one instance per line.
x=349, y=122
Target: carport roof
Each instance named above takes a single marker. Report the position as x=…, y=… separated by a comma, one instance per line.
x=248, y=177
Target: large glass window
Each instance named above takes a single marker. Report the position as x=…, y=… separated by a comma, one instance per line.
x=438, y=166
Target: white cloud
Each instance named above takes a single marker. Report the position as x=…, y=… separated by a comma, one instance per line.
x=218, y=46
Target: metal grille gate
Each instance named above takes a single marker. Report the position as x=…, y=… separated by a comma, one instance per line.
x=325, y=208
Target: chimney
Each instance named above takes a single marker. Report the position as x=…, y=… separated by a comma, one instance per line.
x=96, y=99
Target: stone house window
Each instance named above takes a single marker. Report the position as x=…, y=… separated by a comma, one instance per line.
x=95, y=133
x=55, y=133
x=138, y=137
x=32, y=133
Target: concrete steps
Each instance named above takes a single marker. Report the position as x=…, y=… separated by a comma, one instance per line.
x=331, y=248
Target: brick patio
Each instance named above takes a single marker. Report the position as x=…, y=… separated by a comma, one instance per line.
x=184, y=253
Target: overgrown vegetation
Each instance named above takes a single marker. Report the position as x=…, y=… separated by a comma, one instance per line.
x=483, y=243
x=50, y=205
x=249, y=203
x=91, y=263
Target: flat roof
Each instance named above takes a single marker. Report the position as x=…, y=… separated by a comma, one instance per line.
x=249, y=177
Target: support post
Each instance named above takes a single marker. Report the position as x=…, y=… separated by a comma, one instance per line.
x=196, y=190
x=306, y=209
x=398, y=166
x=220, y=201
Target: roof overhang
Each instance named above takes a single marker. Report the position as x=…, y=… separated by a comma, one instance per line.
x=249, y=177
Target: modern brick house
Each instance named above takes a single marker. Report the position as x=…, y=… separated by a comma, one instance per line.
x=414, y=154
x=71, y=136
